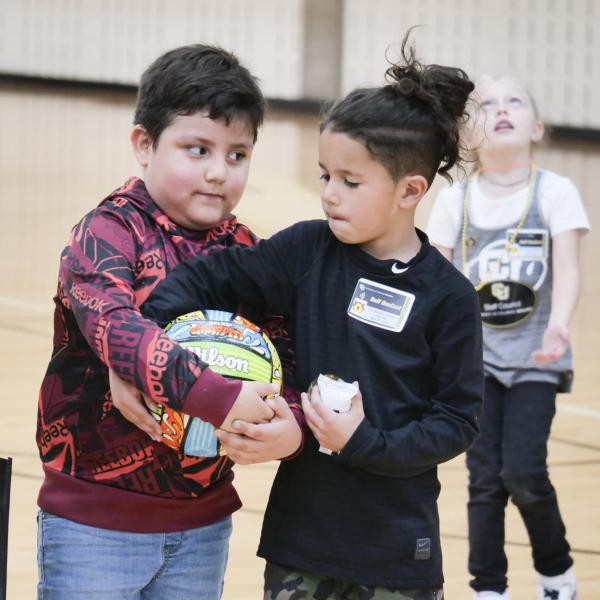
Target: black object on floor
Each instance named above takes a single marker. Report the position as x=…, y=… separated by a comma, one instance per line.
x=5, y=476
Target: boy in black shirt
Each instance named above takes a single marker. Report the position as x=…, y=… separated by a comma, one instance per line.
x=367, y=298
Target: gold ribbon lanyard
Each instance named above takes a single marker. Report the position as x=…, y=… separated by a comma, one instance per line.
x=508, y=248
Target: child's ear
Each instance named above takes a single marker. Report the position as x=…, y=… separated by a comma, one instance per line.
x=411, y=189
x=142, y=145
x=538, y=132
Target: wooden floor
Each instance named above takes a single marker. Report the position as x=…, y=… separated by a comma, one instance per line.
x=61, y=151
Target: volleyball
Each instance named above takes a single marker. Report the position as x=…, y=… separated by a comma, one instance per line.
x=231, y=346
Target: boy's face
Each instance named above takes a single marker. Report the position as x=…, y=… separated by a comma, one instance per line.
x=198, y=169
x=362, y=202
x=505, y=119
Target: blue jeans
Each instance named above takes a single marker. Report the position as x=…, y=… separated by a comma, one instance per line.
x=509, y=460
x=78, y=562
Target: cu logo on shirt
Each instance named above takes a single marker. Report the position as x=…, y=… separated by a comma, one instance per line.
x=500, y=291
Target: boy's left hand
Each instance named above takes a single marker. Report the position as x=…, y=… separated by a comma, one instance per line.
x=252, y=443
x=332, y=429
x=134, y=405
x=554, y=344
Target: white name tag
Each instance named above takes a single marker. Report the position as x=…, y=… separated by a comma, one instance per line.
x=380, y=305
x=529, y=244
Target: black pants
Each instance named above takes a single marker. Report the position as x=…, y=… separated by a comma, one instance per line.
x=508, y=459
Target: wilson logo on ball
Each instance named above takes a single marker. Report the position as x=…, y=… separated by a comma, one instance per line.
x=213, y=358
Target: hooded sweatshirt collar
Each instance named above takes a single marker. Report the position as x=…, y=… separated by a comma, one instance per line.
x=134, y=191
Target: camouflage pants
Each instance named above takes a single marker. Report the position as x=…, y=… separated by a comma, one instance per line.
x=285, y=583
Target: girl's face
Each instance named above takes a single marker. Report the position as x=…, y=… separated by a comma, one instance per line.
x=505, y=120
x=358, y=195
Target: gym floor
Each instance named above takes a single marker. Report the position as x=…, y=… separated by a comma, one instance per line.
x=62, y=150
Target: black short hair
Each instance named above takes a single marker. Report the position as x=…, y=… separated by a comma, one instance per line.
x=198, y=77
x=412, y=124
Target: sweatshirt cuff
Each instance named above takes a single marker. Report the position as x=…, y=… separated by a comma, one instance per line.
x=211, y=397
x=301, y=420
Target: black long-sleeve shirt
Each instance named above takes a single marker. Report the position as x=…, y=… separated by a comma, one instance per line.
x=368, y=515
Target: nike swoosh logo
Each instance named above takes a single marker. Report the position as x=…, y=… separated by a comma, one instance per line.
x=396, y=270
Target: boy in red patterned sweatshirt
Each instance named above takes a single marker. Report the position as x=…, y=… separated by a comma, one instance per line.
x=121, y=514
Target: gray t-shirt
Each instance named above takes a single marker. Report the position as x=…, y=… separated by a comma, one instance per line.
x=524, y=263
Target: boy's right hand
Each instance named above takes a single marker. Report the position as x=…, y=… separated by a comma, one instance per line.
x=250, y=405
x=131, y=403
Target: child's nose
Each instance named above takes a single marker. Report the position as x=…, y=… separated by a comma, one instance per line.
x=328, y=194
x=216, y=171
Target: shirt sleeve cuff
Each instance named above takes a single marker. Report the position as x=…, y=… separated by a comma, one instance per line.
x=211, y=397
x=300, y=419
x=365, y=436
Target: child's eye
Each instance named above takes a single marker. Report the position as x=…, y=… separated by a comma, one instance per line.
x=486, y=105
x=350, y=184
x=515, y=102
x=324, y=177
x=237, y=155
x=198, y=150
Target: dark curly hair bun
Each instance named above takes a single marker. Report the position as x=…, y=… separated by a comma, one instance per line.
x=445, y=89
